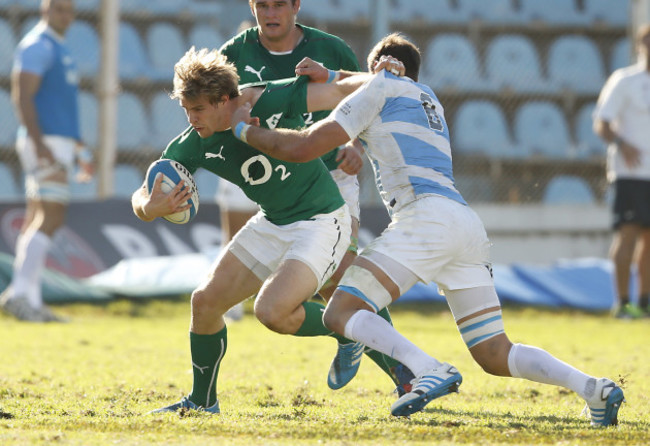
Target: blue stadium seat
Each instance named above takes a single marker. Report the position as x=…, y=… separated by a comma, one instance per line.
x=206, y=183
x=89, y=119
x=512, y=62
x=606, y=11
x=480, y=127
x=166, y=46
x=319, y=11
x=451, y=62
x=205, y=36
x=574, y=63
x=132, y=123
x=621, y=54
x=496, y=12
x=84, y=191
x=7, y=47
x=127, y=179
x=204, y=8
x=568, y=190
x=589, y=144
x=9, y=190
x=552, y=12
x=83, y=42
x=432, y=11
x=8, y=121
x=541, y=129
x=133, y=62
x=168, y=120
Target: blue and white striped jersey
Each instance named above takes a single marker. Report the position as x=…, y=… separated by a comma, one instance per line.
x=43, y=52
x=402, y=126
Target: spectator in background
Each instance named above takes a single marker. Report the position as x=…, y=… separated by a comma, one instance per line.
x=622, y=119
x=44, y=89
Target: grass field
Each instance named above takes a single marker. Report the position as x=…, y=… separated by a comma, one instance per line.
x=91, y=382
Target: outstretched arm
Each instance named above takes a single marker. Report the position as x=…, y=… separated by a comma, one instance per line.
x=289, y=145
x=327, y=88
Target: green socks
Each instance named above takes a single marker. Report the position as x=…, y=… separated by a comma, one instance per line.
x=207, y=352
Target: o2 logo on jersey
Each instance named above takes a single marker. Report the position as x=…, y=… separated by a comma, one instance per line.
x=430, y=110
x=266, y=167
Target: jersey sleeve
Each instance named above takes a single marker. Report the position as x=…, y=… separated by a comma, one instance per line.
x=356, y=112
x=611, y=100
x=34, y=58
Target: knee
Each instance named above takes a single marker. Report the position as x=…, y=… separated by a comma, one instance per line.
x=492, y=355
x=273, y=320
x=203, y=303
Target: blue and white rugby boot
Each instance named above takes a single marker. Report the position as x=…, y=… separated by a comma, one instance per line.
x=429, y=386
x=185, y=404
x=345, y=365
x=604, y=405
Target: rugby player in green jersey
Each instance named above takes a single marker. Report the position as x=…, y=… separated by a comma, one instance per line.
x=289, y=249
x=270, y=51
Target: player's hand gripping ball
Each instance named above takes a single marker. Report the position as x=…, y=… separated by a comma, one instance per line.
x=173, y=172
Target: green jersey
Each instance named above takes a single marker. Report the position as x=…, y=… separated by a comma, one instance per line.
x=286, y=192
x=255, y=63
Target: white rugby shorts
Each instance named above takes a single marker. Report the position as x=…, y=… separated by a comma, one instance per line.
x=319, y=242
x=63, y=149
x=439, y=240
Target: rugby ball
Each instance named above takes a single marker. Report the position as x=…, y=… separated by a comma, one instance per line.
x=173, y=172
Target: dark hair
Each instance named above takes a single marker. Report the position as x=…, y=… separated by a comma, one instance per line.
x=400, y=48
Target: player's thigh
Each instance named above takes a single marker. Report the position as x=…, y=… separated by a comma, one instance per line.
x=228, y=283
x=286, y=289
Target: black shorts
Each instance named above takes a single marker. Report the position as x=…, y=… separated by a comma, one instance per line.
x=631, y=202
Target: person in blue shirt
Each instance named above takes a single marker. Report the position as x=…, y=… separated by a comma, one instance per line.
x=44, y=90
x=434, y=236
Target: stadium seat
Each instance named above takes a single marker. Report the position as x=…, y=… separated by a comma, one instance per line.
x=133, y=62
x=568, y=190
x=8, y=121
x=606, y=12
x=480, y=127
x=89, y=119
x=127, y=179
x=7, y=47
x=206, y=183
x=9, y=190
x=166, y=46
x=574, y=63
x=431, y=11
x=83, y=42
x=552, y=12
x=589, y=144
x=621, y=54
x=475, y=188
x=541, y=129
x=84, y=191
x=168, y=120
x=132, y=123
x=512, y=62
x=497, y=12
x=205, y=36
x=451, y=62
x=204, y=8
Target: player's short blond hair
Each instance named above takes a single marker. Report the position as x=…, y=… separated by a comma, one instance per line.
x=204, y=73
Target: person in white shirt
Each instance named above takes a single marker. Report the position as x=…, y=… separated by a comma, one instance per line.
x=622, y=119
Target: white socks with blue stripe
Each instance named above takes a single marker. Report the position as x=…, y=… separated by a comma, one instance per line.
x=537, y=365
x=375, y=332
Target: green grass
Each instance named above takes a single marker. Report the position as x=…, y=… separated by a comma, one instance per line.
x=91, y=382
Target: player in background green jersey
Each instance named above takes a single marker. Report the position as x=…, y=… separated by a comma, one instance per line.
x=271, y=50
x=289, y=249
